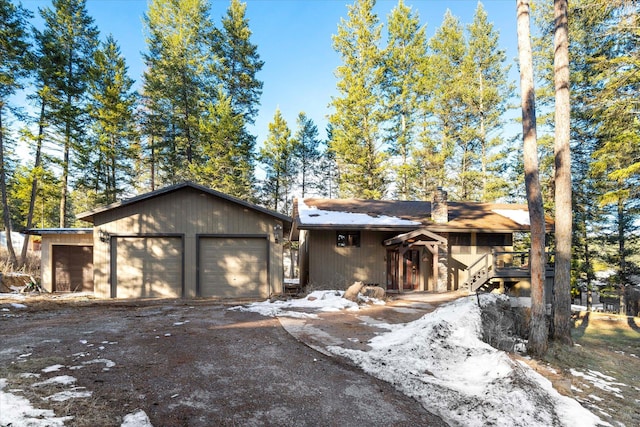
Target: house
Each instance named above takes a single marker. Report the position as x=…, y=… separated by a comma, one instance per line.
x=402, y=246
x=184, y=240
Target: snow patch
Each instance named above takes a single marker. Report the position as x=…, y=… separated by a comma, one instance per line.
x=17, y=411
x=60, y=380
x=138, y=418
x=519, y=216
x=311, y=215
x=52, y=368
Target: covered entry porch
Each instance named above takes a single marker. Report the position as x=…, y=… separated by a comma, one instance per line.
x=416, y=261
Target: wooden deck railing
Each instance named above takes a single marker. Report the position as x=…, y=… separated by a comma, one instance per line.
x=501, y=264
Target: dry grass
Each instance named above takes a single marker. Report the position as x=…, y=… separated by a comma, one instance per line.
x=602, y=370
x=30, y=267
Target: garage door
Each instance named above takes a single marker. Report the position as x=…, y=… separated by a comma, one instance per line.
x=148, y=267
x=73, y=268
x=233, y=267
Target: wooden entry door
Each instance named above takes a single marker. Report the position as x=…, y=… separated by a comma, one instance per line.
x=410, y=265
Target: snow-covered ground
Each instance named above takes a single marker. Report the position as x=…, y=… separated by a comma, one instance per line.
x=441, y=361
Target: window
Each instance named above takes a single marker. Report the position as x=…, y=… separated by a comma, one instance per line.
x=348, y=239
x=490, y=239
x=460, y=243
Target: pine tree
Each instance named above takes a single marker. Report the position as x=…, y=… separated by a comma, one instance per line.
x=239, y=62
x=71, y=38
x=278, y=157
x=308, y=155
x=451, y=119
x=112, y=108
x=356, y=137
x=45, y=67
x=226, y=157
x=404, y=57
x=616, y=164
x=562, y=279
x=486, y=94
x=178, y=73
x=45, y=214
x=539, y=332
x=14, y=50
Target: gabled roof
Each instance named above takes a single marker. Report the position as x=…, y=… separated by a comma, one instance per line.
x=89, y=216
x=314, y=213
x=419, y=234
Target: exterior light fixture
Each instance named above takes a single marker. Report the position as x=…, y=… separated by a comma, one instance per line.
x=104, y=236
x=277, y=233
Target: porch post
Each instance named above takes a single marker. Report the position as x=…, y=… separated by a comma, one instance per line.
x=435, y=268
x=401, y=251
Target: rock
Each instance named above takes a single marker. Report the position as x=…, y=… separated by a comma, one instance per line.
x=352, y=292
x=373, y=292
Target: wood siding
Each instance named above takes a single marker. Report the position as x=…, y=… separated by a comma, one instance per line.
x=187, y=212
x=337, y=267
x=47, y=267
x=325, y=265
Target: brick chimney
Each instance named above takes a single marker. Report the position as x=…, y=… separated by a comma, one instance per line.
x=439, y=209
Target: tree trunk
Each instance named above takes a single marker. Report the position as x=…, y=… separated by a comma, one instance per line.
x=562, y=152
x=538, y=328
x=34, y=182
x=6, y=215
x=622, y=275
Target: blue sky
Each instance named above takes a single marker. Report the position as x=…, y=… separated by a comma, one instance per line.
x=294, y=41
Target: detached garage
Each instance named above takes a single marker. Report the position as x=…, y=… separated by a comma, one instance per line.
x=187, y=241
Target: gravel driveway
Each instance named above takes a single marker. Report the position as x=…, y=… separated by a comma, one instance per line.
x=187, y=363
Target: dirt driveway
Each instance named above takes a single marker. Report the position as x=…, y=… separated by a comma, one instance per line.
x=186, y=363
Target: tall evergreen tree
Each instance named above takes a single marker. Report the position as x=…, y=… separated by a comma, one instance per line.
x=616, y=163
x=239, y=62
x=562, y=279
x=538, y=326
x=178, y=73
x=112, y=109
x=71, y=37
x=451, y=119
x=45, y=66
x=227, y=163
x=486, y=93
x=403, y=57
x=356, y=137
x=278, y=157
x=14, y=50
x=308, y=154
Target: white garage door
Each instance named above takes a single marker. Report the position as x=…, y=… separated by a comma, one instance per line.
x=233, y=267
x=148, y=267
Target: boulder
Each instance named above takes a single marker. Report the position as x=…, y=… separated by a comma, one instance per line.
x=373, y=292
x=352, y=291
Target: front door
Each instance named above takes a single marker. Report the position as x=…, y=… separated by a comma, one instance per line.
x=410, y=278
x=411, y=270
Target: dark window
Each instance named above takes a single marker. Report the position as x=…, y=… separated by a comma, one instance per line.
x=494, y=239
x=460, y=239
x=348, y=238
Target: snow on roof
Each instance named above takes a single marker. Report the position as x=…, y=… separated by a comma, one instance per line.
x=519, y=216
x=311, y=215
